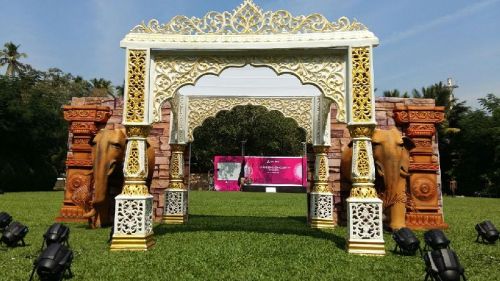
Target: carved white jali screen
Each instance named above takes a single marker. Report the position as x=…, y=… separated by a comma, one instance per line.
x=321, y=206
x=366, y=220
x=129, y=216
x=176, y=202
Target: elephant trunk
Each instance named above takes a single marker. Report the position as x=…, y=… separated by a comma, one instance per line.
x=102, y=169
x=394, y=195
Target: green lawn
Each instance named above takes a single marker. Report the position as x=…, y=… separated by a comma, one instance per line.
x=243, y=236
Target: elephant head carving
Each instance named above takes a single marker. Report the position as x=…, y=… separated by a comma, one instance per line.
x=108, y=154
x=392, y=159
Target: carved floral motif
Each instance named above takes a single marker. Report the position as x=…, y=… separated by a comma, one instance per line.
x=133, y=166
x=423, y=189
x=248, y=18
x=361, y=85
x=421, y=129
x=136, y=85
x=97, y=114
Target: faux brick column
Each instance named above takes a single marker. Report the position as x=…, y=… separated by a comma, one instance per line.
x=419, y=123
x=84, y=123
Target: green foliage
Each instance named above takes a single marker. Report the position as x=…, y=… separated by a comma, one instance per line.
x=34, y=135
x=243, y=236
x=396, y=94
x=476, y=148
x=266, y=133
x=469, y=140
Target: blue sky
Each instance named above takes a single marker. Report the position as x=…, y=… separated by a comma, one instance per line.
x=421, y=42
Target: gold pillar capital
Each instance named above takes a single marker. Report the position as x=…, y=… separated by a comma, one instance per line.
x=141, y=131
x=135, y=188
x=365, y=190
x=361, y=130
x=321, y=149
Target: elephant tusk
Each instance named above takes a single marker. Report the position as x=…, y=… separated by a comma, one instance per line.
x=404, y=173
x=90, y=213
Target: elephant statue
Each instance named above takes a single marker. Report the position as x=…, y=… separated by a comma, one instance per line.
x=108, y=154
x=391, y=153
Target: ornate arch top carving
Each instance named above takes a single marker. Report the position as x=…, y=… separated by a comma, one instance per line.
x=248, y=18
x=326, y=72
x=248, y=23
x=298, y=108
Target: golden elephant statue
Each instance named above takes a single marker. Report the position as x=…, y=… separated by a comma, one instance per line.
x=108, y=154
x=391, y=153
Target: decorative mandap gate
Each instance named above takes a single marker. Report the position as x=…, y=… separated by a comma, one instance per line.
x=335, y=57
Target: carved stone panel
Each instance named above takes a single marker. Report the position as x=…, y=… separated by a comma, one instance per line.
x=325, y=71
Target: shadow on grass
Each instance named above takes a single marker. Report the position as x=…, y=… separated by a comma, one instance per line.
x=278, y=225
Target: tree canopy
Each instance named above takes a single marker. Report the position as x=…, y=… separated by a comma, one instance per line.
x=34, y=133
x=263, y=132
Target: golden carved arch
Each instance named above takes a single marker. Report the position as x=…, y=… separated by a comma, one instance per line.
x=324, y=71
x=297, y=108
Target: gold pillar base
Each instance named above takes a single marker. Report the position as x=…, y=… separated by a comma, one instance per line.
x=369, y=248
x=175, y=219
x=321, y=224
x=132, y=243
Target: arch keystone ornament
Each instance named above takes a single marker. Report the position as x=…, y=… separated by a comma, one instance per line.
x=161, y=58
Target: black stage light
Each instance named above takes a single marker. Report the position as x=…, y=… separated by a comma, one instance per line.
x=14, y=233
x=5, y=220
x=407, y=242
x=443, y=265
x=53, y=263
x=487, y=231
x=436, y=239
x=56, y=233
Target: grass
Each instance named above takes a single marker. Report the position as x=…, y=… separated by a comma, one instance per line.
x=243, y=236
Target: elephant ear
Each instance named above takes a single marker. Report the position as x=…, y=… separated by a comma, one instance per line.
x=96, y=138
x=408, y=143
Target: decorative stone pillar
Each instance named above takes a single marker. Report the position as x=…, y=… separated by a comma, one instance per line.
x=364, y=207
x=321, y=196
x=176, y=195
x=84, y=122
x=133, y=224
x=419, y=123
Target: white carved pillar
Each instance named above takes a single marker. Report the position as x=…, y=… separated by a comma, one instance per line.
x=364, y=207
x=321, y=201
x=133, y=224
x=176, y=195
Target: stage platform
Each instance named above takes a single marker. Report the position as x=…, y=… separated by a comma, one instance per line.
x=274, y=189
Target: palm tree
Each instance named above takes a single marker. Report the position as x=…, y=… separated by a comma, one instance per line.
x=102, y=88
x=10, y=56
x=396, y=94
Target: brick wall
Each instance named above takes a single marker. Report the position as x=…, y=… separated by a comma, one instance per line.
x=159, y=138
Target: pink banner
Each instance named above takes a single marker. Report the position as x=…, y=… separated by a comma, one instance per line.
x=258, y=170
x=275, y=170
